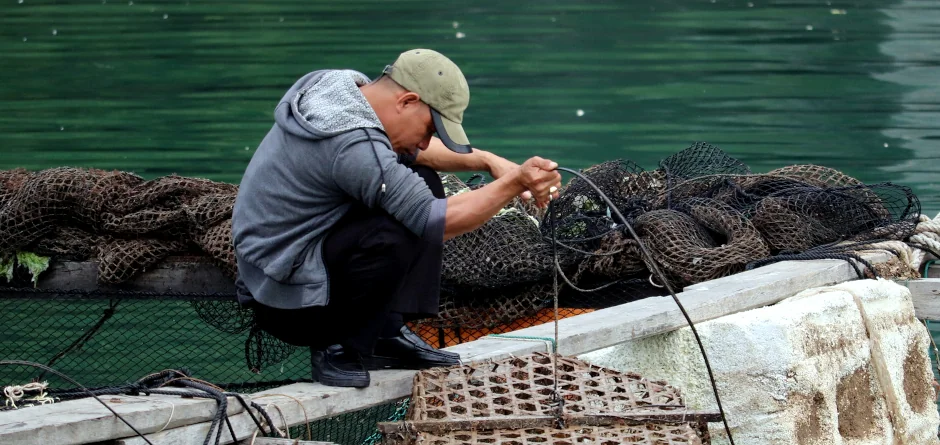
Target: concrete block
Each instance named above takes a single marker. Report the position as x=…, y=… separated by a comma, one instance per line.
x=841, y=365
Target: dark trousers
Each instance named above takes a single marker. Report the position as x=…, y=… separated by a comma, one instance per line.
x=377, y=270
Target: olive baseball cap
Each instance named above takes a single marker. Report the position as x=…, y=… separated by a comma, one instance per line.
x=442, y=86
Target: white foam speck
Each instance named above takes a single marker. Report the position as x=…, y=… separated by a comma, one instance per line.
x=809, y=27
x=455, y=25
x=886, y=145
x=55, y=32
x=579, y=113
x=166, y=16
x=461, y=35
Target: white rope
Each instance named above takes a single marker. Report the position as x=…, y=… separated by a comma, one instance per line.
x=927, y=234
x=15, y=393
x=930, y=226
x=905, y=251
x=931, y=240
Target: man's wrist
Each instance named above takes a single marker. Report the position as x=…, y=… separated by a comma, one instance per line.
x=486, y=161
x=515, y=178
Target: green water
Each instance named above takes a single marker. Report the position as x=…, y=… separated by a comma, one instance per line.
x=189, y=87
x=161, y=87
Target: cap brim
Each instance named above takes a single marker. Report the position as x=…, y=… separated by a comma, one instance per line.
x=451, y=133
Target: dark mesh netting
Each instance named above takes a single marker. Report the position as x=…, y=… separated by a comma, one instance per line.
x=103, y=342
x=126, y=223
x=701, y=214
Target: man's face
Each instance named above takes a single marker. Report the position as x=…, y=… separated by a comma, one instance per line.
x=413, y=127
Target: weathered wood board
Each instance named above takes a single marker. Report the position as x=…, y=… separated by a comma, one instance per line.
x=926, y=296
x=86, y=420
x=174, y=275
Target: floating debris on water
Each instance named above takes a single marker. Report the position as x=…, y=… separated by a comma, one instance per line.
x=461, y=35
x=166, y=16
x=579, y=113
x=838, y=12
x=55, y=32
x=809, y=27
x=455, y=25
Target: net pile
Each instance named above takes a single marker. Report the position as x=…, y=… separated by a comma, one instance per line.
x=126, y=222
x=702, y=214
x=458, y=405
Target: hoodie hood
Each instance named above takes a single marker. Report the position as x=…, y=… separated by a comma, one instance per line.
x=326, y=103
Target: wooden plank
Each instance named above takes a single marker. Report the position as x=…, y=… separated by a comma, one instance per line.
x=177, y=274
x=638, y=417
x=578, y=335
x=925, y=294
x=274, y=441
x=86, y=420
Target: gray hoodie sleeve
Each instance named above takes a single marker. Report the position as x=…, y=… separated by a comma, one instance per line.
x=361, y=168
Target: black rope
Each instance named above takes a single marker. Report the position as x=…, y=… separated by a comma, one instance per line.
x=851, y=258
x=72, y=381
x=85, y=337
x=155, y=384
x=655, y=268
x=559, y=401
x=925, y=248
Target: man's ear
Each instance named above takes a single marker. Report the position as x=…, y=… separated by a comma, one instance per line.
x=409, y=99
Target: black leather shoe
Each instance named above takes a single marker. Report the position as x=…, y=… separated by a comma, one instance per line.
x=335, y=367
x=408, y=351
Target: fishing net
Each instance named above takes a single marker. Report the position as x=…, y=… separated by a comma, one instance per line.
x=126, y=223
x=700, y=213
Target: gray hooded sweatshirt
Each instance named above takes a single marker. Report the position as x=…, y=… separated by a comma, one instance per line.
x=326, y=151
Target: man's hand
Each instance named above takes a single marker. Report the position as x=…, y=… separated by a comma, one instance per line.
x=499, y=167
x=467, y=211
x=539, y=177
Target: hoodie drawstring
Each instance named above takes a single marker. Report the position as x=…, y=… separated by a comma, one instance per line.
x=377, y=161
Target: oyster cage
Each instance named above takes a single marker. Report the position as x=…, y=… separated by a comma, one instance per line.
x=512, y=401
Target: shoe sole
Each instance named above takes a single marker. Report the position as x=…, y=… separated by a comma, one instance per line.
x=340, y=382
x=375, y=363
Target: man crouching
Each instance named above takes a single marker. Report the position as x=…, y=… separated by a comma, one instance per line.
x=340, y=218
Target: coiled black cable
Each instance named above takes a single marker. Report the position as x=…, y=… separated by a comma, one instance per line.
x=655, y=268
